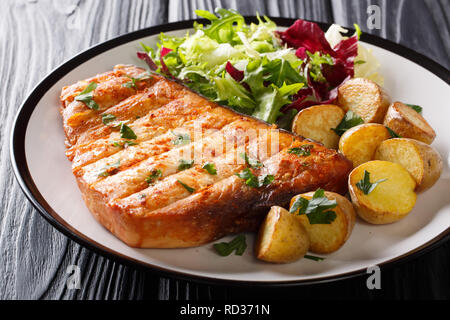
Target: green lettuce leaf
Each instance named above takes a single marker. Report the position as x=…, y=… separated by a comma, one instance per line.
x=233, y=93
x=224, y=28
x=270, y=103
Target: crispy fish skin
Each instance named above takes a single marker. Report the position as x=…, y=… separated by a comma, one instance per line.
x=164, y=214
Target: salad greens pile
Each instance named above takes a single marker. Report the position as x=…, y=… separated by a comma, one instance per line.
x=252, y=67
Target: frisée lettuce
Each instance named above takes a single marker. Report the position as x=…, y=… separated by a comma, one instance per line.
x=252, y=67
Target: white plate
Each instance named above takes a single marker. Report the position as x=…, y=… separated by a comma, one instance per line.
x=44, y=173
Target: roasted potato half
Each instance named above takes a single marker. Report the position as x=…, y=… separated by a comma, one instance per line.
x=365, y=98
x=390, y=200
x=281, y=238
x=359, y=143
x=316, y=123
x=408, y=123
x=421, y=160
x=327, y=238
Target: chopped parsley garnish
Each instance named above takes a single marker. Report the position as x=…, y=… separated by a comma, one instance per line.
x=87, y=96
x=317, y=209
x=306, y=256
x=185, y=164
x=238, y=245
x=365, y=185
x=126, y=132
x=393, y=133
x=211, y=168
x=360, y=62
x=181, y=138
x=107, y=118
x=191, y=190
x=350, y=120
x=123, y=143
x=415, y=107
x=132, y=83
x=255, y=181
x=304, y=150
x=106, y=170
x=252, y=163
x=155, y=175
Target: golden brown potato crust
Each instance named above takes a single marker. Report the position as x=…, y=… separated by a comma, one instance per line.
x=391, y=200
x=281, y=237
x=365, y=98
x=317, y=122
x=327, y=238
x=408, y=123
x=422, y=161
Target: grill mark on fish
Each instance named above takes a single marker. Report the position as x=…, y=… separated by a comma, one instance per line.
x=132, y=155
x=132, y=180
x=156, y=123
x=168, y=190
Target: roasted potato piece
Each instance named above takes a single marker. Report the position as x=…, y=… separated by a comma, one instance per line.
x=408, y=123
x=327, y=238
x=359, y=143
x=365, y=98
x=422, y=161
x=316, y=123
x=281, y=238
x=390, y=200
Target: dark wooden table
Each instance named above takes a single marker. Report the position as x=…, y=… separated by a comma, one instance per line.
x=38, y=35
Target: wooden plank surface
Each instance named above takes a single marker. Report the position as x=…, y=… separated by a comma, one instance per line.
x=38, y=35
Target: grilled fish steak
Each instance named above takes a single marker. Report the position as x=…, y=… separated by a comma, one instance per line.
x=153, y=191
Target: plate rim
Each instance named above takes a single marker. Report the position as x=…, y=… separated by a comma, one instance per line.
x=23, y=176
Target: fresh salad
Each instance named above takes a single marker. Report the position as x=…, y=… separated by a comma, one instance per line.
x=258, y=70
